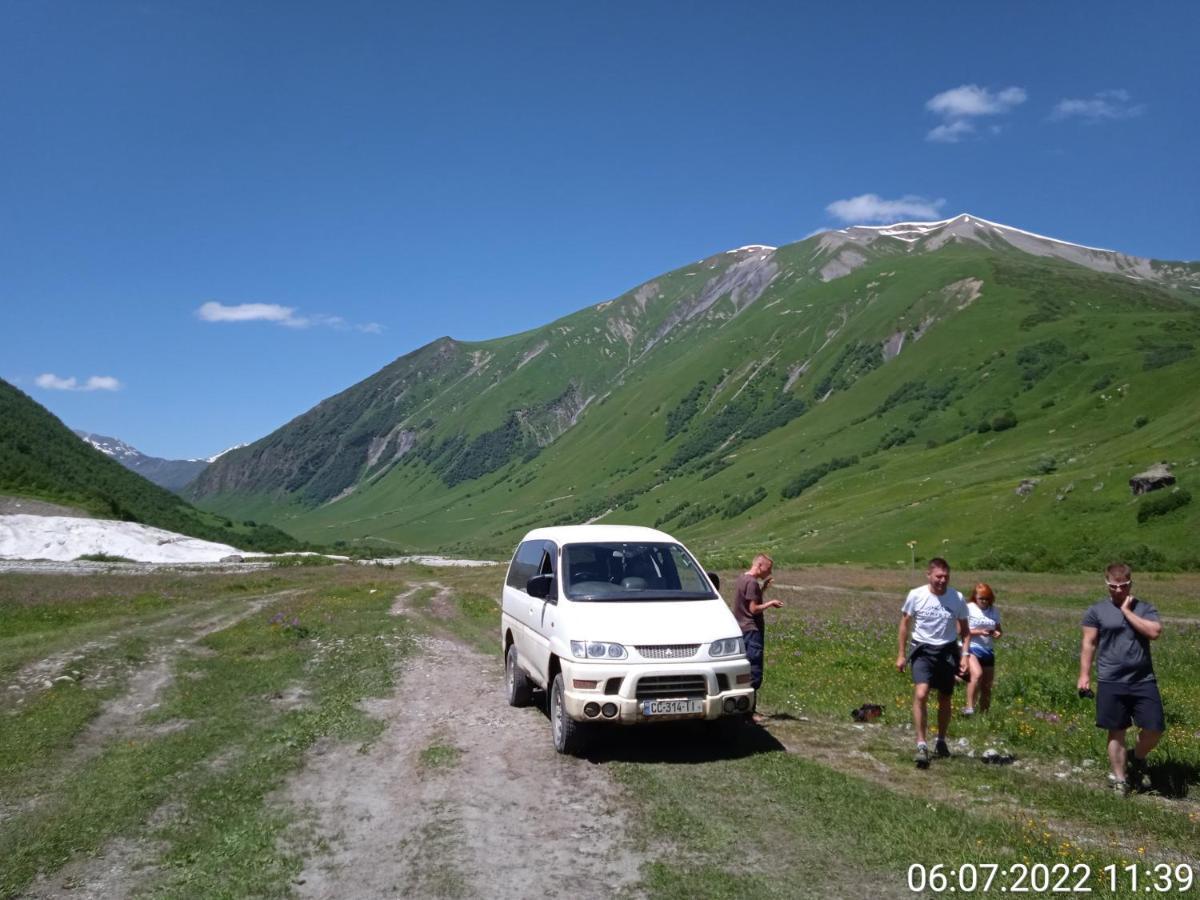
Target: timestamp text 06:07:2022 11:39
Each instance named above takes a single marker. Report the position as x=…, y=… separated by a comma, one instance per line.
x=1044, y=878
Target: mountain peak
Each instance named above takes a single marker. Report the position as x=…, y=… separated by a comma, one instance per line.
x=850, y=247
x=964, y=225
x=753, y=248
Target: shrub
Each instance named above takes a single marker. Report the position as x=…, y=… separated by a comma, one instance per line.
x=1004, y=421
x=742, y=502
x=1045, y=465
x=696, y=514
x=1160, y=504
x=809, y=477
x=1141, y=422
x=895, y=437
x=684, y=410
x=1157, y=356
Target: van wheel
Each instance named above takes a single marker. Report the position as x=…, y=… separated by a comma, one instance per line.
x=516, y=682
x=568, y=734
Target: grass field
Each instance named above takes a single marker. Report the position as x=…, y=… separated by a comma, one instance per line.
x=150, y=720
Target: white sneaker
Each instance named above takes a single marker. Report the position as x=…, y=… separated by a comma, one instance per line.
x=968, y=711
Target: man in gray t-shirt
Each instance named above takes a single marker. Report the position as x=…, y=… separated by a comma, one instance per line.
x=1116, y=634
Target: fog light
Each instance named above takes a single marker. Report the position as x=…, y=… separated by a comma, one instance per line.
x=744, y=679
x=730, y=704
x=581, y=685
x=591, y=710
x=609, y=710
x=743, y=703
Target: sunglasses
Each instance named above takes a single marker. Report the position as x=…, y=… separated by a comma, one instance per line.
x=1118, y=585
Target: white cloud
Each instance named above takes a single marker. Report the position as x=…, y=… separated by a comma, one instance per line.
x=972, y=100
x=213, y=311
x=1103, y=105
x=51, y=382
x=951, y=133
x=958, y=106
x=249, y=312
x=873, y=208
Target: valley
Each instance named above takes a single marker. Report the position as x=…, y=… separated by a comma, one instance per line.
x=830, y=400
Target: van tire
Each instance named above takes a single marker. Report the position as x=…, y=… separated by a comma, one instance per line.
x=517, y=686
x=567, y=733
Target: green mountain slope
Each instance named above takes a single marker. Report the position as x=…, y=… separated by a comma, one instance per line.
x=41, y=458
x=833, y=399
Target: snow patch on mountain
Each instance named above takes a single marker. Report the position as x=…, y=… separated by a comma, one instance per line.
x=216, y=456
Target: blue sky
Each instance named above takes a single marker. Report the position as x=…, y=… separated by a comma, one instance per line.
x=213, y=215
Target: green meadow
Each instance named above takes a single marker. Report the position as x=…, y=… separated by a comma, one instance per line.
x=255, y=670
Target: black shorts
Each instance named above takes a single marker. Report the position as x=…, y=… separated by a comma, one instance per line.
x=1119, y=705
x=935, y=665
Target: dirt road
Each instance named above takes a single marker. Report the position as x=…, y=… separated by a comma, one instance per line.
x=461, y=796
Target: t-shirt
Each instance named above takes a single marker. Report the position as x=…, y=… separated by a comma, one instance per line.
x=748, y=589
x=935, y=619
x=980, y=618
x=1123, y=654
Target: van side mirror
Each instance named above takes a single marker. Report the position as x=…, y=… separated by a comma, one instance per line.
x=539, y=586
x=715, y=579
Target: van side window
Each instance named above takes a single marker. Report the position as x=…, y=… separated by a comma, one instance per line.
x=525, y=564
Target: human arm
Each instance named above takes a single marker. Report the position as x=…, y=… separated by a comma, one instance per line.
x=901, y=660
x=993, y=632
x=1145, y=626
x=1087, y=653
x=757, y=607
x=759, y=604
x=964, y=631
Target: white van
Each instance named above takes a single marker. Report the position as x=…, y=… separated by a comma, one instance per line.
x=619, y=624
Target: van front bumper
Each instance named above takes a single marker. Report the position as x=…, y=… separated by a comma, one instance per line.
x=627, y=687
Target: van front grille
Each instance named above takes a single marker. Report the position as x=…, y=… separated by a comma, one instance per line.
x=668, y=651
x=654, y=687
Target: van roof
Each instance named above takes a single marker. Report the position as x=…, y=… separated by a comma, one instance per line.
x=586, y=534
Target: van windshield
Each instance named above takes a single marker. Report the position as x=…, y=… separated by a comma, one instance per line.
x=635, y=572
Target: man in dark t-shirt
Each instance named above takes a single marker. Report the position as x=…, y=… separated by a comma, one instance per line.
x=1121, y=629
x=748, y=606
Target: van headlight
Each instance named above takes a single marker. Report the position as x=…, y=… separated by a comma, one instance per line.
x=597, y=650
x=727, y=647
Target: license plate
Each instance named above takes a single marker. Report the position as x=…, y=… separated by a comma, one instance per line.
x=672, y=707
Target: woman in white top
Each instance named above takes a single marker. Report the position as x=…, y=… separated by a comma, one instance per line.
x=984, y=620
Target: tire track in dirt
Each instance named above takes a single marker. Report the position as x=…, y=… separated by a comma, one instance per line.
x=121, y=715
x=506, y=817
x=124, y=865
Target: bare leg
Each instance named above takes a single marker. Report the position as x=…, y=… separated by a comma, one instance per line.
x=945, y=710
x=920, y=704
x=973, y=684
x=1147, y=741
x=1116, y=752
x=985, y=687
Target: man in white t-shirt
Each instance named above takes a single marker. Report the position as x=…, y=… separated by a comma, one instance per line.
x=937, y=616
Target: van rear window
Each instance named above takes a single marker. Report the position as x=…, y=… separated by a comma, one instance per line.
x=633, y=572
